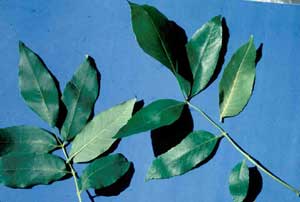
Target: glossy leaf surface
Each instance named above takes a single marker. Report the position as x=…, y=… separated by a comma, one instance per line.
x=162, y=39
x=37, y=85
x=236, y=85
x=26, y=139
x=27, y=170
x=197, y=147
x=79, y=98
x=203, y=52
x=97, y=136
x=104, y=172
x=239, y=182
x=157, y=114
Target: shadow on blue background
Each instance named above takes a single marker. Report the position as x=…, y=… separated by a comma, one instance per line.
x=62, y=32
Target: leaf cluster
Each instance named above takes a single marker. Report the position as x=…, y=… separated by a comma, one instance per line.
x=26, y=152
x=195, y=63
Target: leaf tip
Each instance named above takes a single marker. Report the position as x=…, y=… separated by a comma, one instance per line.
x=130, y=3
x=89, y=58
x=218, y=18
x=251, y=38
x=21, y=45
x=148, y=178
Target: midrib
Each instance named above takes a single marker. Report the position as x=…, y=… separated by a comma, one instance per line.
x=95, y=137
x=161, y=42
x=39, y=88
x=75, y=105
x=234, y=83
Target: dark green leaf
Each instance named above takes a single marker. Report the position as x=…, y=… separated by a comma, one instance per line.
x=185, y=84
x=239, y=182
x=150, y=26
x=104, y=172
x=162, y=39
x=37, y=85
x=27, y=170
x=197, y=147
x=157, y=114
x=167, y=137
x=79, y=98
x=26, y=139
x=203, y=52
x=237, y=82
x=97, y=136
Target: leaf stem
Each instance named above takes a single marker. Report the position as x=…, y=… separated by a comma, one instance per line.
x=243, y=152
x=73, y=172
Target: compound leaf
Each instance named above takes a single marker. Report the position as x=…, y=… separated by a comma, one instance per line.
x=27, y=170
x=239, y=182
x=97, y=136
x=37, y=85
x=79, y=98
x=197, y=147
x=26, y=139
x=203, y=52
x=157, y=114
x=236, y=85
x=104, y=172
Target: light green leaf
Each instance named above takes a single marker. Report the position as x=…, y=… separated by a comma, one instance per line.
x=203, y=52
x=37, y=85
x=97, y=136
x=104, y=172
x=237, y=82
x=239, y=182
x=162, y=39
x=79, y=97
x=26, y=139
x=27, y=170
x=159, y=113
x=197, y=147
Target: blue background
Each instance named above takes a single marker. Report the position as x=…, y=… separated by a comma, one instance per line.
x=62, y=32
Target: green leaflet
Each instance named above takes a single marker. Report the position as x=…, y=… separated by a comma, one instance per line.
x=37, y=85
x=237, y=82
x=26, y=139
x=104, y=172
x=27, y=170
x=197, y=147
x=203, y=53
x=159, y=113
x=162, y=39
x=79, y=97
x=166, y=137
x=97, y=136
x=239, y=182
